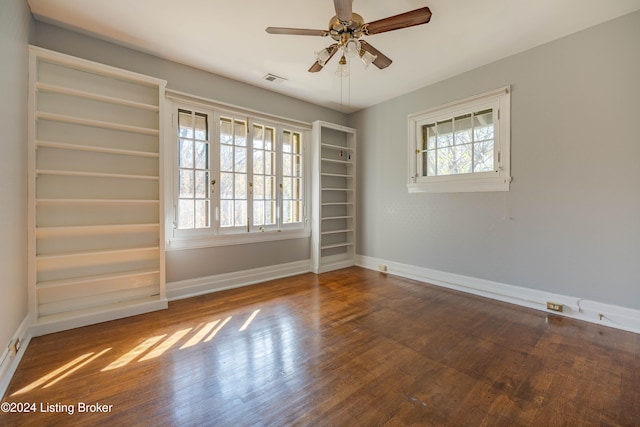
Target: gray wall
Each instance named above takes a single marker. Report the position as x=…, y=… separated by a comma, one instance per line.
x=15, y=22
x=195, y=263
x=575, y=197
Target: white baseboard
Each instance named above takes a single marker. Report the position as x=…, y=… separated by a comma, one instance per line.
x=8, y=362
x=219, y=282
x=613, y=316
x=333, y=262
x=63, y=322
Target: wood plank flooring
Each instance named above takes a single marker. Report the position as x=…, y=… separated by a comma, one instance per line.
x=347, y=348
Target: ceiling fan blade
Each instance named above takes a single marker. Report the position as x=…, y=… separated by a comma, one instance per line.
x=316, y=65
x=343, y=10
x=296, y=31
x=382, y=61
x=396, y=22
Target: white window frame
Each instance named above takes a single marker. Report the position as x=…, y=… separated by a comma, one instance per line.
x=236, y=229
x=172, y=153
x=216, y=235
x=305, y=154
x=278, y=174
x=497, y=180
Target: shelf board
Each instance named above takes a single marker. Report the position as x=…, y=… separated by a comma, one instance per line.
x=74, y=311
x=339, y=175
x=94, y=174
x=95, y=201
x=72, y=319
x=336, y=189
x=335, y=147
x=96, y=123
x=96, y=278
x=346, y=230
x=336, y=203
x=331, y=218
x=42, y=232
x=46, y=87
x=63, y=255
x=341, y=162
x=336, y=245
x=77, y=147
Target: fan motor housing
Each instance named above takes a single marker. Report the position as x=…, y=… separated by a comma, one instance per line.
x=354, y=27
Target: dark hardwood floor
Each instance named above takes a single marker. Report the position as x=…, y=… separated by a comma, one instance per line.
x=348, y=348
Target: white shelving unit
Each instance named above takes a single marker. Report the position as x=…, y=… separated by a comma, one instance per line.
x=95, y=222
x=333, y=234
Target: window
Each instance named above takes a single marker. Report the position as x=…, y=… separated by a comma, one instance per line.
x=233, y=174
x=237, y=179
x=193, y=170
x=462, y=146
x=292, y=177
x=264, y=177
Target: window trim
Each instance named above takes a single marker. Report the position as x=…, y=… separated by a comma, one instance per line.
x=234, y=229
x=498, y=180
x=214, y=236
x=305, y=154
x=172, y=177
x=278, y=176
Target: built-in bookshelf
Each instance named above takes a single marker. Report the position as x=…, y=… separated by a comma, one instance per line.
x=95, y=220
x=334, y=197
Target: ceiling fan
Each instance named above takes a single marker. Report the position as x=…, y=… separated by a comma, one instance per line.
x=347, y=28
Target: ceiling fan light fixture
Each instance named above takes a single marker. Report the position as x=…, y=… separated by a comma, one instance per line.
x=352, y=47
x=367, y=58
x=343, y=67
x=323, y=56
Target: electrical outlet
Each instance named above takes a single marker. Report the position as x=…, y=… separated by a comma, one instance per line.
x=555, y=306
x=14, y=346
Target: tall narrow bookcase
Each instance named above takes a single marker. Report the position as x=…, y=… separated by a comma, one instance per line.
x=95, y=223
x=333, y=234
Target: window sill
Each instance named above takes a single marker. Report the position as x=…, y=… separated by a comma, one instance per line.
x=461, y=185
x=181, y=243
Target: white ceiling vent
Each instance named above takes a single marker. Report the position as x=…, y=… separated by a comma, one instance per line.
x=274, y=79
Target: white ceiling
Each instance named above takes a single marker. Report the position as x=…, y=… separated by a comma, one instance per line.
x=228, y=38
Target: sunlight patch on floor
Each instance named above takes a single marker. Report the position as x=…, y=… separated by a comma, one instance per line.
x=249, y=320
x=217, y=329
x=137, y=351
x=166, y=345
x=63, y=371
x=154, y=347
x=199, y=336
